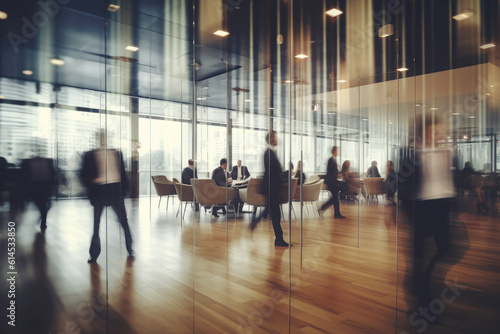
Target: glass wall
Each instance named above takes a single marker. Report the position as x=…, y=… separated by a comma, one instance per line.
x=162, y=114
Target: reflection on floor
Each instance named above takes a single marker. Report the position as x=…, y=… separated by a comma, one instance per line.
x=210, y=275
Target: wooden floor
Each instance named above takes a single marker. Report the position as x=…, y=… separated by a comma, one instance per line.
x=211, y=275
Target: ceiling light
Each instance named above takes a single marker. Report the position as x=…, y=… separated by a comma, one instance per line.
x=341, y=81
x=491, y=86
x=113, y=8
x=3, y=15
x=465, y=14
x=248, y=100
x=487, y=46
x=132, y=48
x=333, y=12
x=221, y=33
x=488, y=94
x=418, y=105
x=402, y=69
x=271, y=108
x=434, y=108
x=472, y=116
x=301, y=56
x=455, y=113
x=386, y=31
x=57, y=62
x=27, y=72
x=365, y=119
x=288, y=81
x=2, y=97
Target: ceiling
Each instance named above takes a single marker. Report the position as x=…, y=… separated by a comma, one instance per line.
x=92, y=40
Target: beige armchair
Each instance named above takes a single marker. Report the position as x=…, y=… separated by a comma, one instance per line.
x=208, y=193
x=374, y=186
x=184, y=193
x=310, y=193
x=163, y=187
x=251, y=195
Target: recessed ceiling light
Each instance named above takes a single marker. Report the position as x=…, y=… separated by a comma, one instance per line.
x=2, y=97
x=455, y=113
x=271, y=108
x=365, y=119
x=488, y=94
x=386, y=31
x=341, y=81
x=248, y=100
x=288, y=81
x=487, y=46
x=491, y=86
x=301, y=56
x=472, y=116
x=418, y=105
x=27, y=72
x=3, y=15
x=132, y=48
x=465, y=14
x=221, y=33
x=434, y=108
x=402, y=69
x=333, y=12
x=57, y=62
x=113, y=8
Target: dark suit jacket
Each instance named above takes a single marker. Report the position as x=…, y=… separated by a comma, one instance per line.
x=272, y=179
x=188, y=174
x=332, y=171
x=220, y=177
x=244, y=172
x=103, y=193
x=372, y=172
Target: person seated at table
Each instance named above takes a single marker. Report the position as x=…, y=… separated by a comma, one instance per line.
x=391, y=180
x=299, y=174
x=223, y=179
x=471, y=180
x=240, y=172
x=345, y=180
x=373, y=170
x=189, y=173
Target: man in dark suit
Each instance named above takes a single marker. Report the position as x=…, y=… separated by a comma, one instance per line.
x=373, y=170
x=189, y=173
x=39, y=184
x=240, y=172
x=271, y=186
x=222, y=178
x=331, y=181
x=103, y=173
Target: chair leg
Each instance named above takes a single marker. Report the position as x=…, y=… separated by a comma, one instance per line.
x=178, y=209
x=293, y=210
x=185, y=206
x=168, y=198
x=159, y=202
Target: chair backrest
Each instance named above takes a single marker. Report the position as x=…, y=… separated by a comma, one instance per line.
x=251, y=195
x=163, y=185
x=313, y=179
x=283, y=195
x=310, y=191
x=374, y=186
x=207, y=192
x=184, y=191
